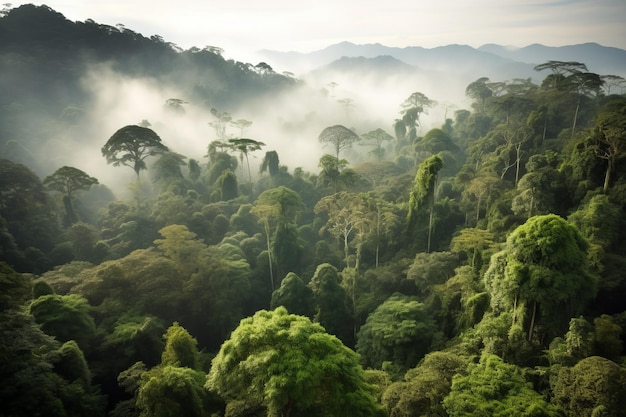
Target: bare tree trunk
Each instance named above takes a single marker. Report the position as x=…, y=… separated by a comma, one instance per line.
x=532, y=322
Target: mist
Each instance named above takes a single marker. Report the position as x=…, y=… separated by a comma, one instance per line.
x=288, y=122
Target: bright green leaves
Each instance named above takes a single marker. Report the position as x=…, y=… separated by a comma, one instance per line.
x=291, y=367
x=544, y=267
x=494, y=388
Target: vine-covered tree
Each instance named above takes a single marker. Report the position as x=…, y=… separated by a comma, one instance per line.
x=422, y=196
x=542, y=275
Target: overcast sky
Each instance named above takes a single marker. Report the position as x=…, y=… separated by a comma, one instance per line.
x=242, y=26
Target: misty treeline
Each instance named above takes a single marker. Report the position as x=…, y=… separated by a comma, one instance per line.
x=473, y=266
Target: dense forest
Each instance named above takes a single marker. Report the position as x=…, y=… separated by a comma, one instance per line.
x=475, y=267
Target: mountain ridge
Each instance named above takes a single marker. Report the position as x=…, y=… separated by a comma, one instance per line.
x=598, y=58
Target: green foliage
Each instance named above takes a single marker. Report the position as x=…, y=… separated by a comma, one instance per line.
x=423, y=388
x=398, y=331
x=544, y=265
x=170, y=391
x=494, y=388
x=294, y=295
x=291, y=367
x=180, y=348
x=595, y=386
x=15, y=288
x=131, y=145
x=67, y=317
x=331, y=309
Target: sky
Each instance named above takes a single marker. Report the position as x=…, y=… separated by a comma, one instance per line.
x=242, y=27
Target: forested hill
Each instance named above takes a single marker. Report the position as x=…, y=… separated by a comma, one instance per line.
x=45, y=62
x=54, y=52
x=182, y=235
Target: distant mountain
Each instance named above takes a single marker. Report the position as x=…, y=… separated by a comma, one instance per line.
x=600, y=59
x=493, y=61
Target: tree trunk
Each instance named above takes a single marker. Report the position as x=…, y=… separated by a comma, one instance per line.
x=575, y=116
x=532, y=322
x=430, y=225
x=607, y=175
x=269, y=256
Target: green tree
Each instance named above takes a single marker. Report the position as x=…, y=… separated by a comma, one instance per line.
x=495, y=388
x=131, y=145
x=171, y=391
x=331, y=308
x=68, y=181
x=414, y=106
x=279, y=206
x=294, y=295
x=245, y=146
x=595, y=386
x=423, y=388
x=288, y=366
x=608, y=138
x=67, y=317
x=399, y=331
x=270, y=163
x=423, y=195
x=543, y=269
x=180, y=348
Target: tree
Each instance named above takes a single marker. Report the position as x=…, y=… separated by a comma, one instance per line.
x=331, y=170
x=416, y=104
x=131, y=145
x=480, y=92
x=544, y=269
x=245, y=147
x=495, y=388
x=376, y=140
x=608, y=138
x=278, y=206
x=270, y=163
x=595, y=386
x=294, y=295
x=220, y=123
x=339, y=137
x=399, y=331
x=423, y=388
x=423, y=194
x=180, y=348
x=287, y=366
x=68, y=181
x=331, y=308
x=67, y=317
x=345, y=215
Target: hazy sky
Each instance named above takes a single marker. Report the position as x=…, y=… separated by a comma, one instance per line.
x=243, y=26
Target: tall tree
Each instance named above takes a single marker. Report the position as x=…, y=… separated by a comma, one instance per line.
x=423, y=194
x=415, y=105
x=376, y=140
x=608, y=137
x=542, y=274
x=275, y=207
x=69, y=180
x=339, y=137
x=131, y=145
x=245, y=146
